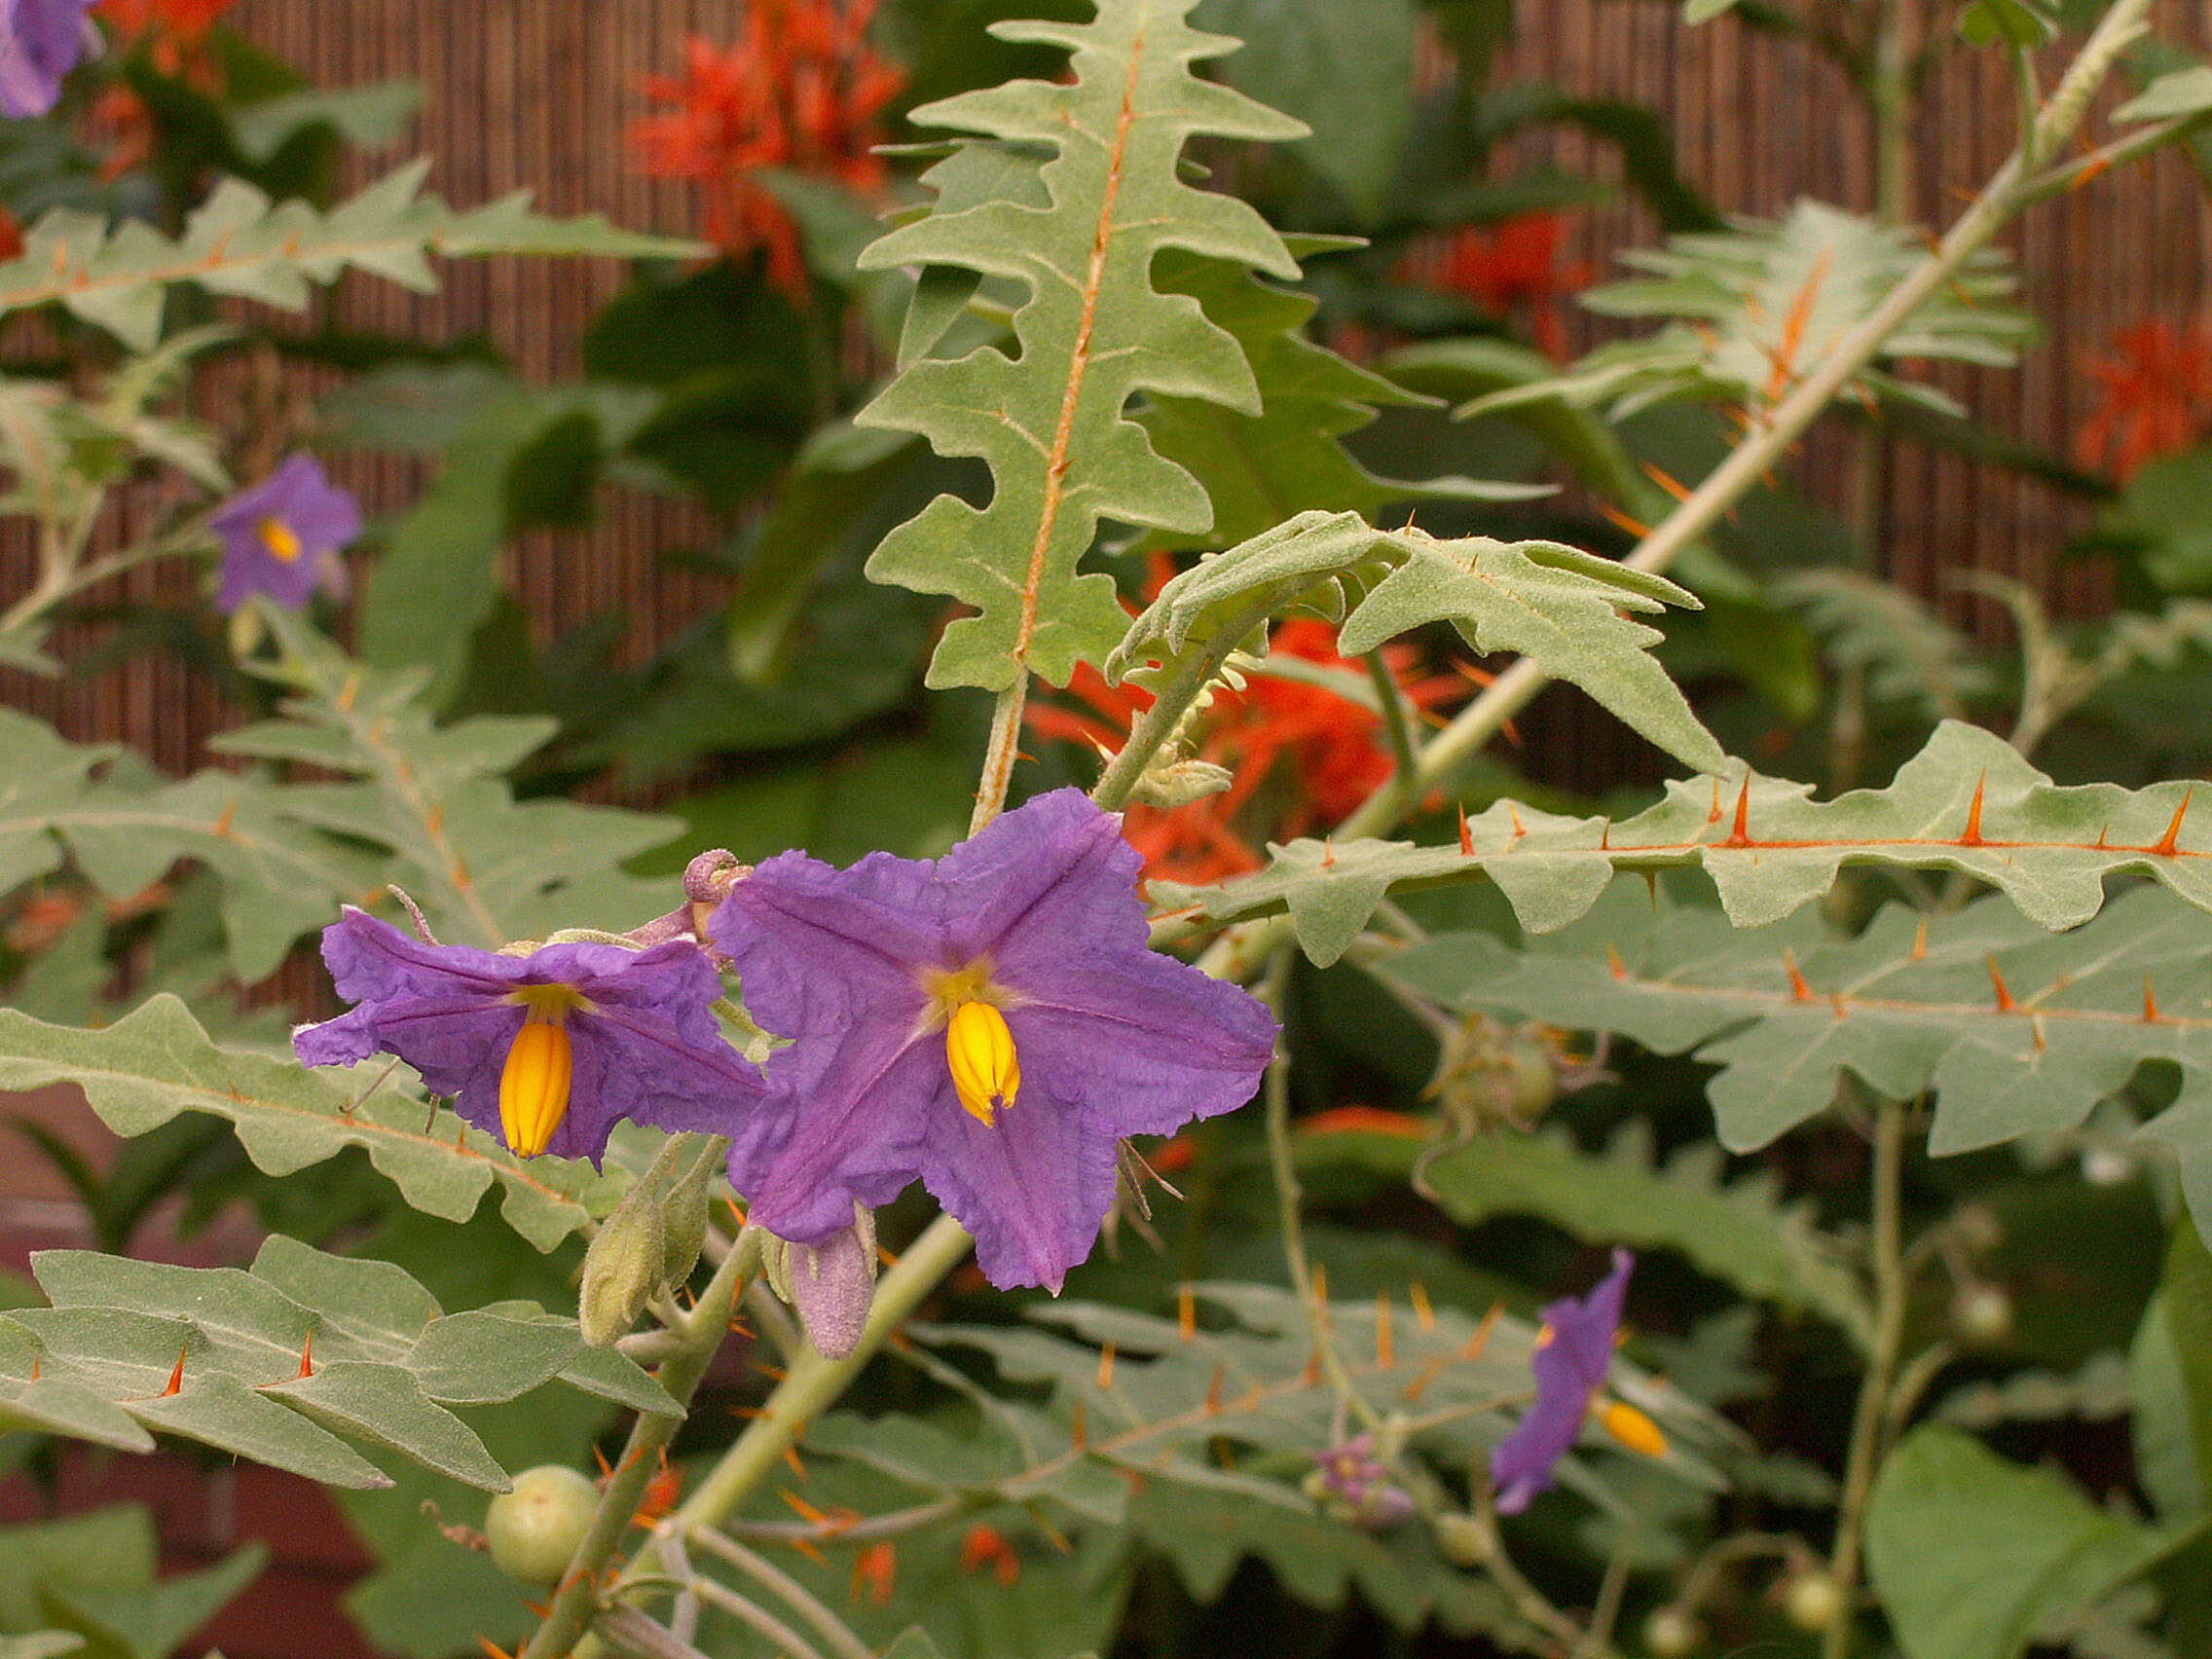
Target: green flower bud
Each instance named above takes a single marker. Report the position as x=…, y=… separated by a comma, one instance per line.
x=532, y=1531
x=1462, y=1540
x=684, y=1220
x=623, y=1268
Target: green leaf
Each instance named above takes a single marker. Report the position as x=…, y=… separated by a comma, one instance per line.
x=2185, y=1304
x=366, y=117
x=1907, y=653
x=2181, y=95
x=157, y=1062
x=1696, y=11
x=41, y=1645
x=2023, y=24
x=1751, y=310
x=1346, y=71
x=1260, y=469
x=1740, y=1232
x=1092, y=334
x=2015, y=1030
x=151, y=1621
x=436, y=581
x=1966, y=802
x=240, y=243
x=104, y=1547
x=1972, y=1555
x=1552, y=602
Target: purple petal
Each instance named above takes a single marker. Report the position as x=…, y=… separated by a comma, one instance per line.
x=323, y=517
x=370, y=960
x=1037, y=879
x=843, y=1124
x=1033, y=1188
x=1144, y=1043
x=1569, y=1369
x=40, y=43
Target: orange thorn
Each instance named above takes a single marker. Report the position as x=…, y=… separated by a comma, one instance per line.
x=176, y=1375
x=1466, y=836
x=1310, y=1377
x=223, y=820
x=1614, y=516
x=1078, y=1435
x=1513, y=811
x=1328, y=854
x=1385, y=1342
x=1213, y=1390
x=1606, y=838
x=36, y=1360
x=806, y=1511
x=1972, y=836
x=1799, y=991
x=1481, y=1338
x=806, y=1548
x=735, y=1214
x=1740, y=836
x=492, y=1650
x=750, y=1413
x=1320, y=1279
x=2166, y=842
x=1674, y=486
x=1436, y=1367
x=1186, y=1314
x=307, y=1355
x=2035, y=1029
x=1425, y=1315
x=2005, y=1002
x=1614, y=963
x=2150, y=1015
x=1714, y=817
x=606, y=1470
x=1836, y=1003
x=2103, y=829
x=876, y=1570
x=1920, y=942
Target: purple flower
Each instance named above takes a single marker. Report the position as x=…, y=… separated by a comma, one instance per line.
x=1574, y=1352
x=990, y=1023
x=1354, y=1485
x=545, y=1051
x=282, y=536
x=40, y=43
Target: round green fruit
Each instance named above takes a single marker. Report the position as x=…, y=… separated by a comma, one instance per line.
x=534, y=1529
x=1671, y=1634
x=1813, y=1602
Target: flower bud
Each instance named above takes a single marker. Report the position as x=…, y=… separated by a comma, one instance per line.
x=1178, y=783
x=623, y=1267
x=1813, y=1601
x=1981, y=1315
x=1671, y=1634
x=1462, y=1540
x=830, y=1284
x=684, y=1220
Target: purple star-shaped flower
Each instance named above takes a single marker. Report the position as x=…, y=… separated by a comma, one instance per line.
x=1355, y=1485
x=545, y=1051
x=1573, y=1356
x=40, y=43
x=282, y=536
x=990, y=1023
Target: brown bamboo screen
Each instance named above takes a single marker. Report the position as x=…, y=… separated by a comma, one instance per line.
x=535, y=94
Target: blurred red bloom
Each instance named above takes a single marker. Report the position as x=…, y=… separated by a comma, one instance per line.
x=2155, y=395
x=1329, y=748
x=802, y=90
x=178, y=27
x=1511, y=269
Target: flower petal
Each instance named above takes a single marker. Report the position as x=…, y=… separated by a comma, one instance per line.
x=1052, y=871
x=818, y=949
x=1033, y=1188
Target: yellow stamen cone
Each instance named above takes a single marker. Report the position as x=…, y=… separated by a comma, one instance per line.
x=1632, y=1428
x=278, y=536
x=534, y=1086
x=985, y=1070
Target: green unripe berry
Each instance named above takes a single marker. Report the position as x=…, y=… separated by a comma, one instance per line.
x=1671, y=1634
x=1813, y=1602
x=1981, y=1315
x=1461, y=1539
x=534, y=1530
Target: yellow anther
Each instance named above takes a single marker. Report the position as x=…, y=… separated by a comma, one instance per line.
x=980, y=1048
x=1632, y=1428
x=542, y=1063
x=277, y=535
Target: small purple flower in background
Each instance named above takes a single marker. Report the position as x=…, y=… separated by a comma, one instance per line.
x=545, y=1051
x=1353, y=1484
x=992, y=1023
x=40, y=43
x=1574, y=1352
x=282, y=536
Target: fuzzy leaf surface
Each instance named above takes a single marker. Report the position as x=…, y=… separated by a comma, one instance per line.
x=1966, y=802
x=1050, y=420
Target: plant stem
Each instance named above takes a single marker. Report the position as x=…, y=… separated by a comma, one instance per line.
x=1005, y=748
x=835, y=1633
x=1397, y=725
x=1874, y=1390
x=574, y=1604
x=814, y=1384
x=1289, y=1205
x=786, y=1642
x=1159, y=724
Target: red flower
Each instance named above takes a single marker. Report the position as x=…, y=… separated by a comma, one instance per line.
x=986, y=1546
x=2155, y=395
x=1511, y=269
x=178, y=27
x=801, y=91
x=1329, y=750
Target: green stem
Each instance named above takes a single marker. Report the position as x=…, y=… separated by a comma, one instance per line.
x=1874, y=1392
x=1005, y=748
x=814, y=1384
x=834, y=1632
x=1397, y=726
x=574, y=1604
x=1158, y=726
